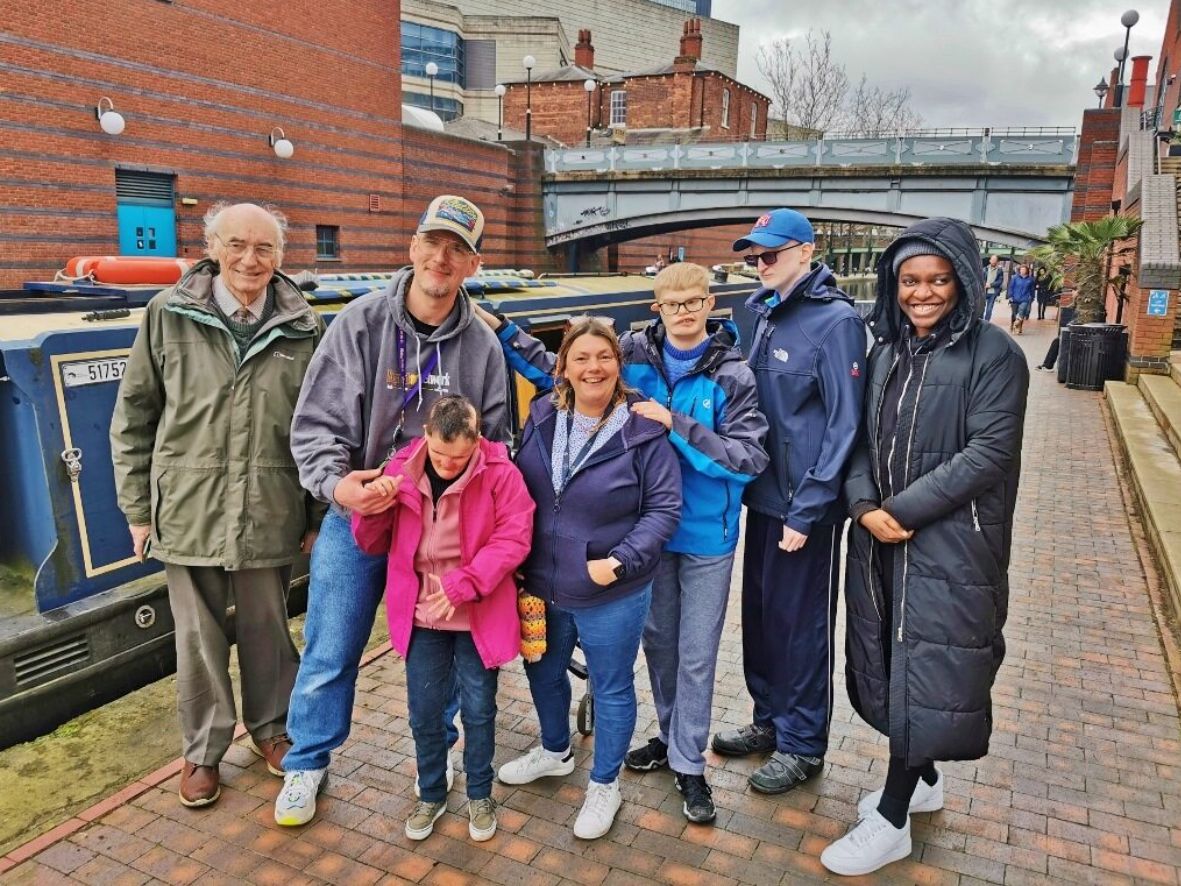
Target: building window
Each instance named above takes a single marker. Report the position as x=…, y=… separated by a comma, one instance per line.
x=422, y=44
x=619, y=107
x=327, y=242
x=754, y=120
x=446, y=108
x=725, y=109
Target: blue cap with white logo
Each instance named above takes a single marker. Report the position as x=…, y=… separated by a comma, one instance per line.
x=776, y=229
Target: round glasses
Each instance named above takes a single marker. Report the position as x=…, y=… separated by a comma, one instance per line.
x=768, y=258
x=689, y=306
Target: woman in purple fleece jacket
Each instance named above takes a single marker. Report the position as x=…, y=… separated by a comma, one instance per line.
x=608, y=492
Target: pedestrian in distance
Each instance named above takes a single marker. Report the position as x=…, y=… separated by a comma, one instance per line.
x=931, y=492
x=385, y=359
x=459, y=528
x=1043, y=290
x=994, y=282
x=808, y=357
x=699, y=386
x=1020, y=298
x=200, y=445
x=608, y=493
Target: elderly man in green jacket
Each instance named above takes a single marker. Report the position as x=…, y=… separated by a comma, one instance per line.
x=205, y=477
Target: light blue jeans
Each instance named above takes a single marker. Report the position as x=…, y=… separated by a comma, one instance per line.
x=681, y=638
x=345, y=587
x=610, y=638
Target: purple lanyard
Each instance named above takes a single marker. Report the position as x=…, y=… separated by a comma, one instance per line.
x=411, y=391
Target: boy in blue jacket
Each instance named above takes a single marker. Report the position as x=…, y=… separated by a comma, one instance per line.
x=701, y=389
x=808, y=358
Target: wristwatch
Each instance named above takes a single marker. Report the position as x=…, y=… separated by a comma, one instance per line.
x=619, y=570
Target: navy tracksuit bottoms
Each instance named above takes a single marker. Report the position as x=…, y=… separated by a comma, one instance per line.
x=789, y=603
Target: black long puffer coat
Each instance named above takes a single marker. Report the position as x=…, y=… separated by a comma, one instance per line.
x=962, y=414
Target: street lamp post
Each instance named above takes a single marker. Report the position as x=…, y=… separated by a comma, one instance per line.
x=1128, y=20
x=432, y=71
x=1101, y=89
x=528, y=61
x=500, y=91
x=589, y=85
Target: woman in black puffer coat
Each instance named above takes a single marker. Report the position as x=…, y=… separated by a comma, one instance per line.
x=931, y=489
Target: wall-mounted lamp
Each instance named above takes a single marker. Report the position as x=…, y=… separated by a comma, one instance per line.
x=280, y=143
x=110, y=120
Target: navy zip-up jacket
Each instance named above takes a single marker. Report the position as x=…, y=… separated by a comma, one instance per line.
x=1020, y=289
x=624, y=502
x=717, y=428
x=808, y=357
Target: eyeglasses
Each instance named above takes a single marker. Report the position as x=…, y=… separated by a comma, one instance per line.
x=689, y=306
x=768, y=258
x=238, y=248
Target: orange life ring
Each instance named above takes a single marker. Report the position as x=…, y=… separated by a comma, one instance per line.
x=128, y=269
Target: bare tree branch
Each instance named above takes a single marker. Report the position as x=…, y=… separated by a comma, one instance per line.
x=873, y=111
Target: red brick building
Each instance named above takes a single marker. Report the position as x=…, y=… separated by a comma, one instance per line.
x=201, y=86
x=686, y=98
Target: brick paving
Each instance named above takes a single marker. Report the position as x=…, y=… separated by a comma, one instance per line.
x=1083, y=784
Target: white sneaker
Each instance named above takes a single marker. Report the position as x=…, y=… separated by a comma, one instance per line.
x=926, y=798
x=872, y=843
x=598, y=810
x=450, y=778
x=296, y=803
x=538, y=763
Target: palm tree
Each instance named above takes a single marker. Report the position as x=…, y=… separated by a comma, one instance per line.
x=1086, y=251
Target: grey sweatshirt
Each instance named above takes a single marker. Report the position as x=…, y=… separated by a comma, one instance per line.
x=350, y=405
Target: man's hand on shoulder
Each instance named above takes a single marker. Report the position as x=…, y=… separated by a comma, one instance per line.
x=353, y=493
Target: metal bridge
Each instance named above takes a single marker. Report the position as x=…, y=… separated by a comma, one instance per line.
x=1009, y=185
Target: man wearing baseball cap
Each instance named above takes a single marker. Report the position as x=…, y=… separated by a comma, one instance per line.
x=808, y=355
x=367, y=392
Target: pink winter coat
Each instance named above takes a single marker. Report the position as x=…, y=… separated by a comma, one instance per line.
x=495, y=525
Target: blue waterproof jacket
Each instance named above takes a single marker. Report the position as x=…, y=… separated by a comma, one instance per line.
x=1020, y=289
x=717, y=429
x=808, y=357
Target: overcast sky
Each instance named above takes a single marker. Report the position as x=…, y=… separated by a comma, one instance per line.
x=967, y=62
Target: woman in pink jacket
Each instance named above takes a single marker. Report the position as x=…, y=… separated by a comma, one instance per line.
x=459, y=526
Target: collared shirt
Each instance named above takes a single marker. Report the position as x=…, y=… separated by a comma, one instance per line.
x=229, y=305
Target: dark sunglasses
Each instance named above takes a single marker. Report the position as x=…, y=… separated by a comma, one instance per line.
x=767, y=258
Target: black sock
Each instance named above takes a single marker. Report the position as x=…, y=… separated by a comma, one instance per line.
x=929, y=774
x=900, y=784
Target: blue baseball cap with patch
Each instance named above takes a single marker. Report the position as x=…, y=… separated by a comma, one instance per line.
x=777, y=228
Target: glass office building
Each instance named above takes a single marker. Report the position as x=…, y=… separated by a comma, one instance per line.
x=698, y=7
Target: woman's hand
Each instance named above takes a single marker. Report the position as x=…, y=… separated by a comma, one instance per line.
x=602, y=572
x=438, y=606
x=885, y=528
x=385, y=485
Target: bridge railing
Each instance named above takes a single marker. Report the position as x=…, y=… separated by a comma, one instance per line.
x=991, y=147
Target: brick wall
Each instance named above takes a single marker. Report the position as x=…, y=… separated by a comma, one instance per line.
x=705, y=246
x=1095, y=175
x=201, y=85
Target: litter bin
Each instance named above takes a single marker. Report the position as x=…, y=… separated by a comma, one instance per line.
x=1096, y=354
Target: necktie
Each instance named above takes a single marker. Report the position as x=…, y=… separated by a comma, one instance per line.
x=243, y=316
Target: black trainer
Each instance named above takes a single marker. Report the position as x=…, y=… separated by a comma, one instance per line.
x=699, y=799
x=784, y=771
x=752, y=739
x=653, y=755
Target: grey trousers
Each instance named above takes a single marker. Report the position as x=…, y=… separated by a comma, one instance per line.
x=681, y=638
x=267, y=658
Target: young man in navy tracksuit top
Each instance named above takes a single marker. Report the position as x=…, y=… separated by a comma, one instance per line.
x=808, y=357
x=702, y=390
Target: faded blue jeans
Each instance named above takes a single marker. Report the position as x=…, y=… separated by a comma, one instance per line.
x=989, y=302
x=610, y=638
x=345, y=587
x=681, y=639
x=436, y=663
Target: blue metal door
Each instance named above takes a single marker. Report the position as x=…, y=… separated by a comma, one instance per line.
x=147, y=230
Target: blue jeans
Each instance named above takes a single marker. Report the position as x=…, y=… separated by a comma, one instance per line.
x=610, y=638
x=436, y=662
x=344, y=589
x=681, y=638
x=989, y=300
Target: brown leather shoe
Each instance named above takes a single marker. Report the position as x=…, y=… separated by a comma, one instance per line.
x=199, y=785
x=273, y=750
